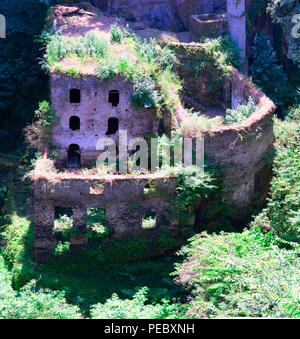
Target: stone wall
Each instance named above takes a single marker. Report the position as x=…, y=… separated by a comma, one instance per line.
x=94, y=111
x=244, y=151
x=123, y=199
x=170, y=15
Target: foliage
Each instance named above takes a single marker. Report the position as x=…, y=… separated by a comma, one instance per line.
x=62, y=248
x=38, y=135
x=243, y=111
x=31, y=304
x=193, y=184
x=282, y=12
x=59, y=46
x=144, y=93
x=268, y=74
x=19, y=239
x=240, y=275
x=116, y=35
x=282, y=211
x=148, y=223
x=96, y=223
x=193, y=127
x=136, y=308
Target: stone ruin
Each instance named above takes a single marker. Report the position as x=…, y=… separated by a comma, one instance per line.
x=90, y=108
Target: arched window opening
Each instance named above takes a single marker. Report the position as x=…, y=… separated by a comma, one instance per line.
x=114, y=97
x=74, y=123
x=113, y=126
x=74, y=96
x=74, y=156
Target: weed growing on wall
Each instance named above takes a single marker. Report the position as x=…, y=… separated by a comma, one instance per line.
x=243, y=111
x=38, y=135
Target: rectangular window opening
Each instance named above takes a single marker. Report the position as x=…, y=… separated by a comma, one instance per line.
x=96, y=189
x=96, y=223
x=149, y=221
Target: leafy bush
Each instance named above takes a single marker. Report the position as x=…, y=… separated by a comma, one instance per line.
x=243, y=111
x=153, y=53
x=193, y=127
x=193, y=184
x=116, y=35
x=268, y=74
x=144, y=93
x=283, y=205
x=31, y=304
x=96, y=223
x=240, y=275
x=38, y=135
x=19, y=239
x=136, y=308
x=282, y=212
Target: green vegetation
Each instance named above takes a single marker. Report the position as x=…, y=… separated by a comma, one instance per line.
x=38, y=135
x=240, y=275
x=282, y=212
x=268, y=74
x=115, y=308
x=243, y=111
x=143, y=62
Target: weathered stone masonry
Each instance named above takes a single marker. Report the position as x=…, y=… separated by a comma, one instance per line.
x=94, y=111
x=123, y=199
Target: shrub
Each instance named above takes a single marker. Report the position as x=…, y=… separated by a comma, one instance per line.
x=107, y=68
x=243, y=111
x=268, y=74
x=38, y=135
x=96, y=223
x=43, y=304
x=282, y=212
x=283, y=205
x=144, y=92
x=240, y=275
x=136, y=308
x=19, y=239
x=116, y=35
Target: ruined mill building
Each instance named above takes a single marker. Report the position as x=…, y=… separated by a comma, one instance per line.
x=90, y=109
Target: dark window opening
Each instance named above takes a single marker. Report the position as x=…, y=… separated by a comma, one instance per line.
x=74, y=123
x=73, y=156
x=75, y=96
x=113, y=126
x=114, y=98
x=150, y=189
x=63, y=211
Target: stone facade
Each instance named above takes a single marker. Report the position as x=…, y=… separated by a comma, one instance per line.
x=95, y=111
x=123, y=199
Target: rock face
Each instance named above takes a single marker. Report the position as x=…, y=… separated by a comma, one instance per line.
x=161, y=14
x=171, y=15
